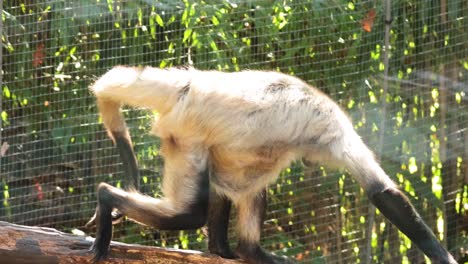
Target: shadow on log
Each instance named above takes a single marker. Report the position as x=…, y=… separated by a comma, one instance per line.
x=25, y=244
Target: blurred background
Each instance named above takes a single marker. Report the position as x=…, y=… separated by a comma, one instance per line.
x=398, y=67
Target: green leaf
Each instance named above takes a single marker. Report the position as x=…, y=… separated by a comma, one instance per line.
x=6, y=92
x=215, y=20
x=187, y=34
x=159, y=20
x=213, y=45
x=4, y=116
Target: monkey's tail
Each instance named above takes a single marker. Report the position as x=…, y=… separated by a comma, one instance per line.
x=113, y=119
x=139, y=87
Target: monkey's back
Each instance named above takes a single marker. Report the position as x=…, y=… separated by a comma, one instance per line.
x=253, y=108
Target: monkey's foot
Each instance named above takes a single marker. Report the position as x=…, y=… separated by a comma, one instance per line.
x=224, y=252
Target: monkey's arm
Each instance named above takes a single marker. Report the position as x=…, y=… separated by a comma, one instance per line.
x=145, y=210
x=184, y=206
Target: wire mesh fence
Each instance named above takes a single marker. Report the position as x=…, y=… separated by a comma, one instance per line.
x=401, y=75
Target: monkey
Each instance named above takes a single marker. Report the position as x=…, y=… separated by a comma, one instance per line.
x=225, y=136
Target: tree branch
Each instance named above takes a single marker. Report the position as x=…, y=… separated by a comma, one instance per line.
x=24, y=245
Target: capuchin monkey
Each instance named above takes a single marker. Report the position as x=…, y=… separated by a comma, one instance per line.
x=225, y=137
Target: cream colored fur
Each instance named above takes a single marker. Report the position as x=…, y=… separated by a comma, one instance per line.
x=250, y=125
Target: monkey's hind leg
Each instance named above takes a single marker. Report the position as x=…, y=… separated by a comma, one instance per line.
x=252, y=210
x=189, y=212
x=218, y=223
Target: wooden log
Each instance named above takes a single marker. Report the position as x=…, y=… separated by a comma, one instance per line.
x=25, y=244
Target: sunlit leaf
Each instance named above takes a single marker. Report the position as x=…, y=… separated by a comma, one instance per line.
x=159, y=20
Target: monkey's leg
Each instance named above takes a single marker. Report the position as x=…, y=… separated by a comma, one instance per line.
x=252, y=212
x=218, y=223
x=395, y=206
x=384, y=194
x=184, y=208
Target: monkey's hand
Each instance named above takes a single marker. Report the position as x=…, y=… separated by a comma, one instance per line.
x=98, y=252
x=103, y=220
x=117, y=217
